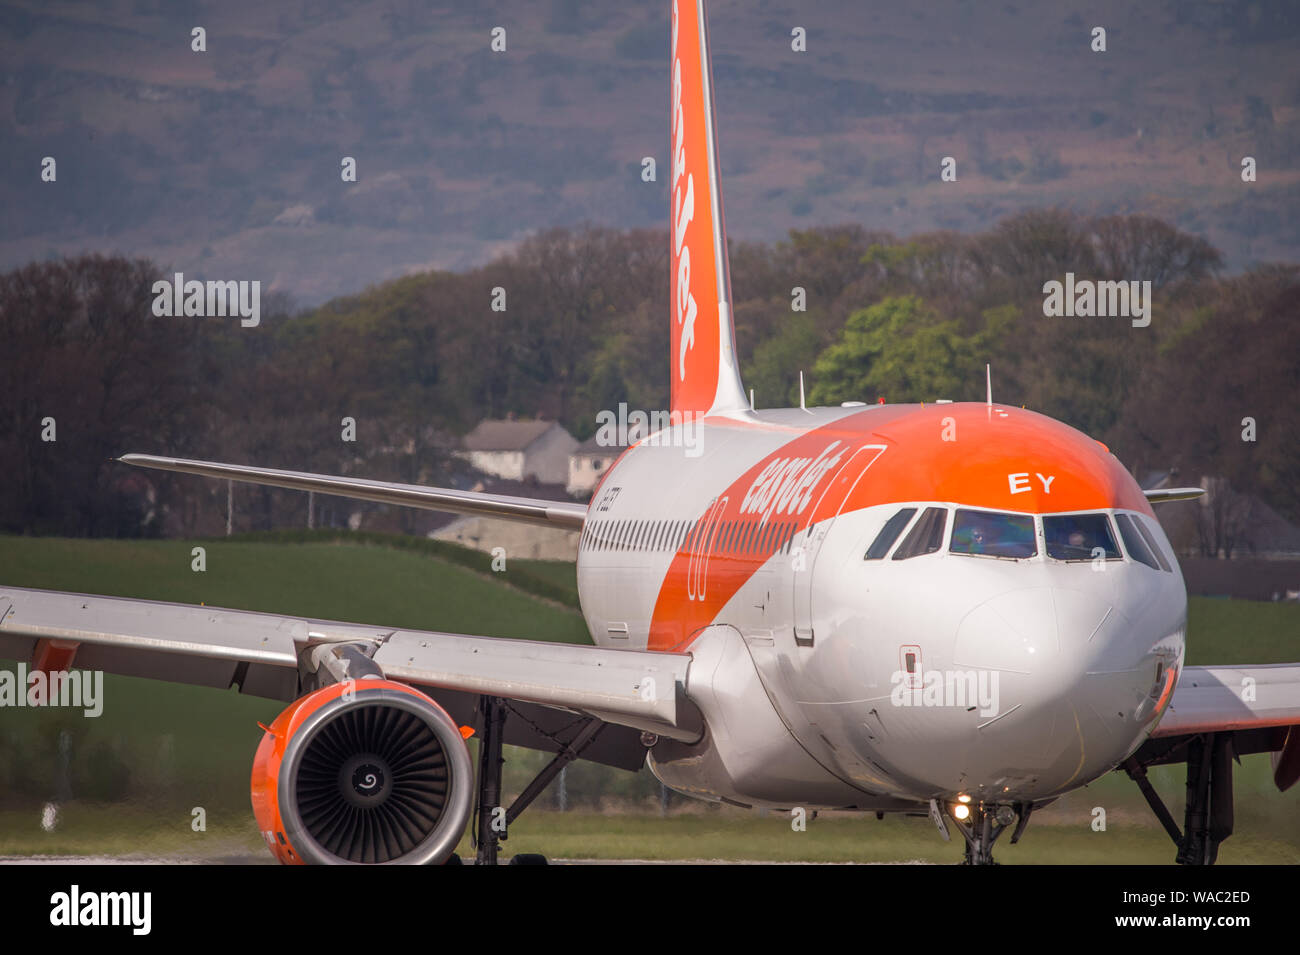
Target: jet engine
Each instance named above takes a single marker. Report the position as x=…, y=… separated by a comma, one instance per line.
x=363, y=771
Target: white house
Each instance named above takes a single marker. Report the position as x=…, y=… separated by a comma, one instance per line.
x=587, y=464
x=520, y=450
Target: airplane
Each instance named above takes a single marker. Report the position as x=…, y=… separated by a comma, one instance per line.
x=958, y=609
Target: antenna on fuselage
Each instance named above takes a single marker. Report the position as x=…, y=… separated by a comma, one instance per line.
x=802, y=406
x=988, y=385
x=751, y=399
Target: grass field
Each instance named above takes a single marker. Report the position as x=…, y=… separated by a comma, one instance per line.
x=1241, y=631
x=707, y=833
x=135, y=774
x=326, y=580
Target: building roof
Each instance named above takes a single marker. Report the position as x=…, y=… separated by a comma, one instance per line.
x=594, y=449
x=1269, y=532
x=499, y=435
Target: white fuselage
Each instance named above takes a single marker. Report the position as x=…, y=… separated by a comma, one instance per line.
x=831, y=680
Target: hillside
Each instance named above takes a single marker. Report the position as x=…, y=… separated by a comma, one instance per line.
x=227, y=162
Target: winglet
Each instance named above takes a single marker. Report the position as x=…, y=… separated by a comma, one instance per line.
x=1166, y=494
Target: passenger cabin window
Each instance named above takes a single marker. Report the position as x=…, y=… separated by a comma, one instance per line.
x=926, y=535
x=1075, y=536
x=992, y=534
x=888, y=534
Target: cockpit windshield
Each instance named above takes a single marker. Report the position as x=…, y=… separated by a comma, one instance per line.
x=992, y=534
x=1077, y=536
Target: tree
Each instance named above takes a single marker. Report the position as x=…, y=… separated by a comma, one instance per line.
x=84, y=351
x=901, y=350
x=1218, y=398
x=1144, y=248
x=773, y=372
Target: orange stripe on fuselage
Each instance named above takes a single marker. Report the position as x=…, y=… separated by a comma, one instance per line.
x=998, y=458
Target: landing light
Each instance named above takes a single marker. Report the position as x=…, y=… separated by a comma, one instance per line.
x=963, y=798
x=960, y=812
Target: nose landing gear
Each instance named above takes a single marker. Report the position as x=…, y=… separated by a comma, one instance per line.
x=983, y=823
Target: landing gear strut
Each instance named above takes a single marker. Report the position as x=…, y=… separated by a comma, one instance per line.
x=983, y=826
x=489, y=832
x=492, y=821
x=1208, y=819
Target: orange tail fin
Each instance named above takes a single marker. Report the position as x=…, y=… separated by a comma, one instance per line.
x=705, y=376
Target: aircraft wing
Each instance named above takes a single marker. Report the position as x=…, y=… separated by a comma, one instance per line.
x=1218, y=699
x=1258, y=705
x=270, y=655
x=566, y=514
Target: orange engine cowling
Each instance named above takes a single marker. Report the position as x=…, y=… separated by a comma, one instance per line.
x=366, y=771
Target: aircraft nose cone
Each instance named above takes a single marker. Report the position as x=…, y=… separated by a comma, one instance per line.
x=1015, y=632
x=1044, y=639
x=1054, y=721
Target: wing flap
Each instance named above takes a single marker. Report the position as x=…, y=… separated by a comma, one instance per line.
x=566, y=514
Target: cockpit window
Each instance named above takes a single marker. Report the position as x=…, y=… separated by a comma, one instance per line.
x=1139, y=543
x=1135, y=543
x=990, y=534
x=926, y=535
x=1152, y=543
x=888, y=534
x=1076, y=536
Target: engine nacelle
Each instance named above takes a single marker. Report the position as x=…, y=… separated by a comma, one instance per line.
x=365, y=771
